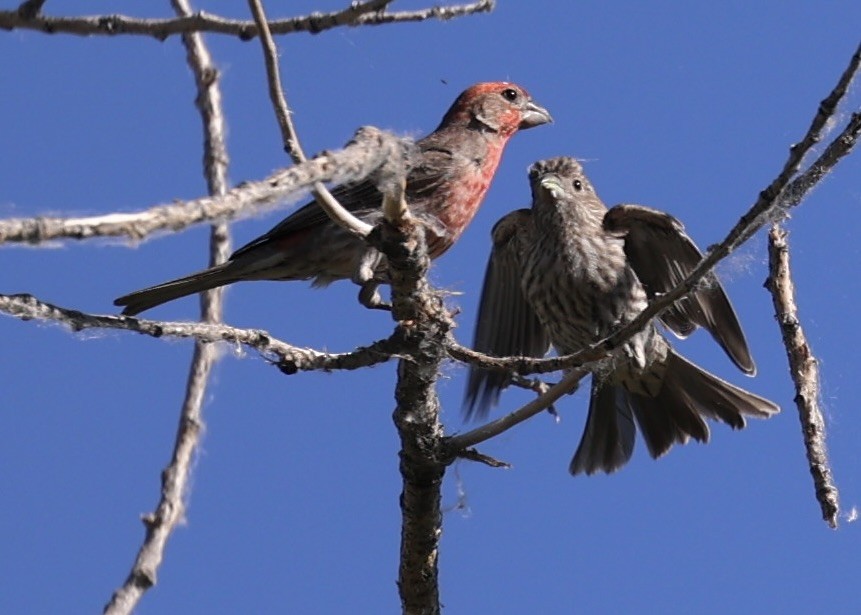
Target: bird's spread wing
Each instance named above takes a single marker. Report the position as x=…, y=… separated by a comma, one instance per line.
x=662, y=255
x=507, y=325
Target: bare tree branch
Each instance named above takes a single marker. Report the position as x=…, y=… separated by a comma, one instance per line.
x=290, y=359
x=804, y=369
x=837, y=149
x=370, y=150
x=416, y=416
x=368, y=13
x=288, y=132
x=455, y=445
x=523, y=365
x=176, y=476
x=415, y=307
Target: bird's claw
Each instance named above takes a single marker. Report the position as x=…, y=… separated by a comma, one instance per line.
x=369, y=296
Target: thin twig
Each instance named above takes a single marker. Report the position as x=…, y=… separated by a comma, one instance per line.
x=455, y=444
x=288, y=358
x=357, y=14
x=804, y=369
x=471, y=454
x=535, y=385
x=369, y=151
x=288, y=132
x=825, y=112
x=772, y=200
x=842, y=144
x=419, y=310
x=522, y=365
x=292, y=145
x=395, y=208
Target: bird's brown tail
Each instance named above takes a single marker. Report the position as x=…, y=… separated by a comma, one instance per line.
x=688, y=394
x=147, y=298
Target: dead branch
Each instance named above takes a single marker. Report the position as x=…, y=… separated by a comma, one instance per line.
x=804, y=369
x=455, y=445
x=290, y=359
x=177, y=475
x=416, y=416
x=289, y=137
x=370, y=150
x=368, y=13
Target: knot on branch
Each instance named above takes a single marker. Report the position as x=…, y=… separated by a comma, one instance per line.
x=110, y=24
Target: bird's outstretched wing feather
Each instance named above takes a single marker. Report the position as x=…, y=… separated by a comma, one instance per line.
x=662, y=255
x=507, y=324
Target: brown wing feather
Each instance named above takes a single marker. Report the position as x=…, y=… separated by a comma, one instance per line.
x=363, y=199
x=506, y=324
x=662, y=255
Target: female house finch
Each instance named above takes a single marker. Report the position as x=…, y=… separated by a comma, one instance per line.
x=445, y=186
x=569, y=272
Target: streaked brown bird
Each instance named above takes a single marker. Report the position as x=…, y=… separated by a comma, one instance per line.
x=446, y=184
x=568, y=272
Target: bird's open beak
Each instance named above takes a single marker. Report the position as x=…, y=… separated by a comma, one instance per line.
x=534, y=115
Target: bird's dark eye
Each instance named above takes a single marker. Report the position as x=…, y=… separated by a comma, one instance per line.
x=578, y=185
x=509, y=94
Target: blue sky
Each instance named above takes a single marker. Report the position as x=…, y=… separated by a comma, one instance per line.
x=687, y=107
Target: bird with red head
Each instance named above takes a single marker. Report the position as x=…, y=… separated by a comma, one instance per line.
x=446, y=184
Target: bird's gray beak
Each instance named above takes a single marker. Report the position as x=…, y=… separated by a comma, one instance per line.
x=534, y=115
x=551, y=184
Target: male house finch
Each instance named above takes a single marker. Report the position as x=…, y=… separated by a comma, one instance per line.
x=568, y=272
x=445, y=187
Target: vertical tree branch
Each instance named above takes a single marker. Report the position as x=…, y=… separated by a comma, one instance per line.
x=175, y=478
x=276, y=91
x=422, y=464
x=804, y=369
x=427, y=325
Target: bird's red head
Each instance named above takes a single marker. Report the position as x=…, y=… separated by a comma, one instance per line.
x=497, y=106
